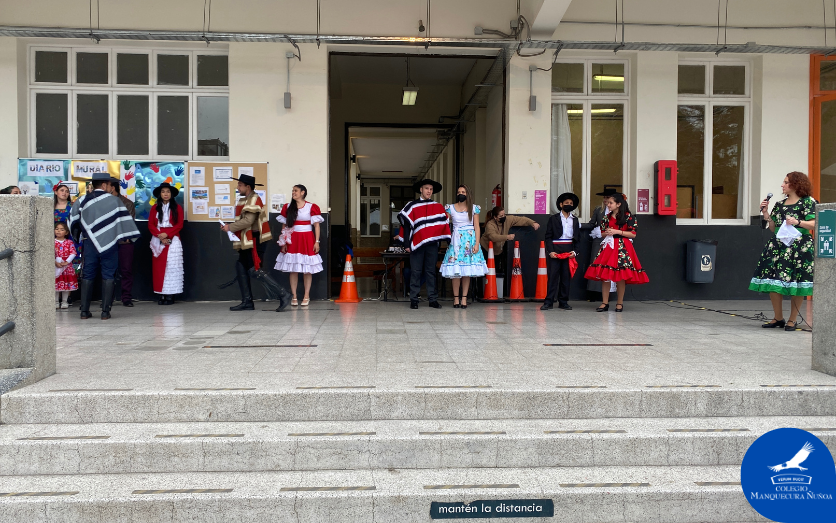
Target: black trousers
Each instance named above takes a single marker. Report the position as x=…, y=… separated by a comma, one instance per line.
x=245, y=257
x=422, y=262
x=559, y=275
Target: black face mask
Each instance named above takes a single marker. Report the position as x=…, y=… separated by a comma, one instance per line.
x=461, y=198
x=568, y=208
x=502, y=220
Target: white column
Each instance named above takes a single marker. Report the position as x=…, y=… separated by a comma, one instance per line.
x=781, y=123
x=9, y=110
x=528, y=133
x=295, y=140
x=653, y=96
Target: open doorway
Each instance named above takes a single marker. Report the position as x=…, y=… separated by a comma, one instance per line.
x=381, y=143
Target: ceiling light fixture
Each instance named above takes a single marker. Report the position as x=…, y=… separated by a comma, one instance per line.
x=607, y=78
x=410, y=93
x=594, y=111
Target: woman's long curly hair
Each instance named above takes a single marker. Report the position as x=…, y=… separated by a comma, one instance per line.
x=293, y=208
x=800, y=183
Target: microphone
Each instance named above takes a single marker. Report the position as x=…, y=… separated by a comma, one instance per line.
x=768, y=197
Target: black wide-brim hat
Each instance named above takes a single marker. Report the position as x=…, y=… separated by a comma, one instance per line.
x=436, y=186
x=607, y=192
x=246, y=179
x=568, y=196
x=98, y=177
x=165, y=185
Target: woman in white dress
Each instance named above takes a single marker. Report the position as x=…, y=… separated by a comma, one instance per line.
x=463, y=258
x=300, y=242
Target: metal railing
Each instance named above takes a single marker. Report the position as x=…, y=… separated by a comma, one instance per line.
x=9, y=325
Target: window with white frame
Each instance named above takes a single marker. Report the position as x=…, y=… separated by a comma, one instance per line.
x=589, y=129
x=712, y=148
x=128, y=103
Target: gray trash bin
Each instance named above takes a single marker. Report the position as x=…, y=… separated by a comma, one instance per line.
x=701, y=261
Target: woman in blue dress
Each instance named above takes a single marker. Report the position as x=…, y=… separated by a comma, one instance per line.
x=463, y=258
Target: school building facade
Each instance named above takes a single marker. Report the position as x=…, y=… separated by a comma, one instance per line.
x=537, y=97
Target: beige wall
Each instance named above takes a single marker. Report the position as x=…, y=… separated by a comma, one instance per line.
x=653, y=122
x=783, y=104
x=358, y=17
x=295, y=140
x=9, y=111
x=528, y=146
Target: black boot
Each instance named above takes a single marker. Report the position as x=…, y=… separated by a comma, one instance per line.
x=272, y=288
x=246, y=292
x=108, y=288
x=86, y=298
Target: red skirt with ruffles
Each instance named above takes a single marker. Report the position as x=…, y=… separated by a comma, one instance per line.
x=617, y=264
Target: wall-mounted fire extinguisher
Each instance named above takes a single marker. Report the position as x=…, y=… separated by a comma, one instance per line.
x=496, y=196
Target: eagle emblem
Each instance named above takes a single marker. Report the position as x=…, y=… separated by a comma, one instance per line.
x=796, y=461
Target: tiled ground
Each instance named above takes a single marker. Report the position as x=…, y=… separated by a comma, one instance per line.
x=196, y=343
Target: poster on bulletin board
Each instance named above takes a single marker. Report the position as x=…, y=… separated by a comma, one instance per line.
x=42, y=175
x=213, y=189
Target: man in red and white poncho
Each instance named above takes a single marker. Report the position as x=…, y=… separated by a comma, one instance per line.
x=423, y=226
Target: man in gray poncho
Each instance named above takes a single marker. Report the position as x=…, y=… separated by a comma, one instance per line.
x=100, y=220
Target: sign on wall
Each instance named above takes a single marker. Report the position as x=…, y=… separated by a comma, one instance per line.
x=826, y=234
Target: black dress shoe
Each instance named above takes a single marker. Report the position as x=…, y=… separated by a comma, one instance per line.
x=161, y=301
x=435, y=305
x=106, y=315
x=546, y=306
x=603, y=308
x=565, y=306
x=777, y=324
x=85, y=315
x=793, y=327
x=169, y=300
x=413, y=304
x=127, y=303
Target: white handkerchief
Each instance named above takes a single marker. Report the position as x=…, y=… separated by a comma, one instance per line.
x=596, y=233
x=608, y=242
x=787, y=234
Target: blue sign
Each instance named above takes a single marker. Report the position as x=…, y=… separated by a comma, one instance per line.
x=788, y=475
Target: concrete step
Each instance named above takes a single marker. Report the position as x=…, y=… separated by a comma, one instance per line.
x=647, y=494
x=37, y=404
x=362, y=445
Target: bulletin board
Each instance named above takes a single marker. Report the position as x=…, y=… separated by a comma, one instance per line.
x=212, y=193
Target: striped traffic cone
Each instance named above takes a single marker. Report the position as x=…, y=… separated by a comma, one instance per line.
x=542, y=275
x=348, y=291
x=516, y=293
x=491, y=295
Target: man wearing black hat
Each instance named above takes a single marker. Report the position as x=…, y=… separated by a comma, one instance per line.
x=101, y=220
x=562, y=234
x=252, y=226
x=423, y=225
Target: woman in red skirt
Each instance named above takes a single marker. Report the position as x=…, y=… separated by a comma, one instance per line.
x=616, y=260
x=300, y=242
x=165, y=222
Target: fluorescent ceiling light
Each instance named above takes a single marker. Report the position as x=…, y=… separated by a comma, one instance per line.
x=607, y=78
x=594, y=111
x=409, y=95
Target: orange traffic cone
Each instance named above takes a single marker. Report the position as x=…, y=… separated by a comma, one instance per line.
x=348, y=291
x=490, y=279
x=542, y=275
x=516, y=293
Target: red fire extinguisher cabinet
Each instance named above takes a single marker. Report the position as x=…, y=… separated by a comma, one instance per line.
x=665, y=182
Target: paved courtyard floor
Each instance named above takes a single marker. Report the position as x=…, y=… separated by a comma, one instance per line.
x=388, y=345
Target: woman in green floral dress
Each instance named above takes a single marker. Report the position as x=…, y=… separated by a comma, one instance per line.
x=787, y=270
